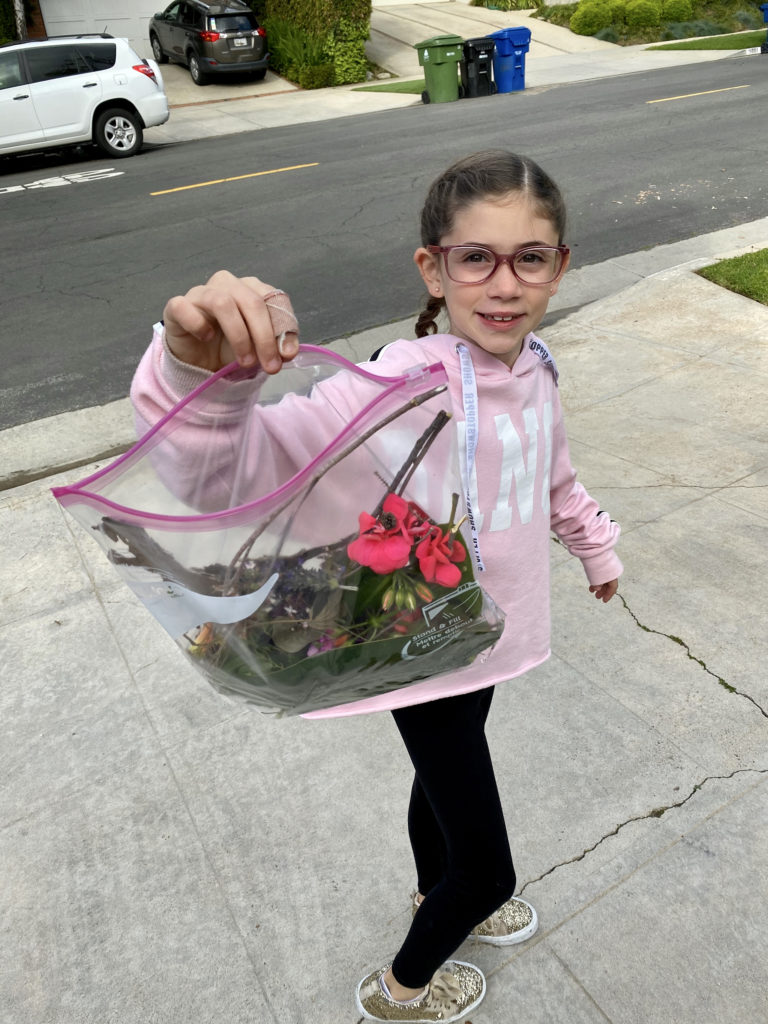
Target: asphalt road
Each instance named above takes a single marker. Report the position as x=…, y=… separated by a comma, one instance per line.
x=90, y=255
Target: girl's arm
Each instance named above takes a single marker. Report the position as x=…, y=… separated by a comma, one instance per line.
x=578, y=521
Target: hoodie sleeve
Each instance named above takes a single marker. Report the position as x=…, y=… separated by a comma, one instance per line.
x=585, y=529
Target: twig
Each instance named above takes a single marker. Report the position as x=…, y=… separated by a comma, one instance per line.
x=235, y=567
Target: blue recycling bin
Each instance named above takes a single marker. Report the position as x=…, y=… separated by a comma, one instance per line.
x=764, y=9
x=512, y=44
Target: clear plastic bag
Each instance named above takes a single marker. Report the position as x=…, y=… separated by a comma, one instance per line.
x=297, y=534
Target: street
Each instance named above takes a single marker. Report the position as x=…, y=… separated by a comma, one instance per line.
x=91, y=249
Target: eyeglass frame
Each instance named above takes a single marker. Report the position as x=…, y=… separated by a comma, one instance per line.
x=499, y=258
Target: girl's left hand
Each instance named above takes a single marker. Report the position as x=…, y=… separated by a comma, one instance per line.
x=604, y=591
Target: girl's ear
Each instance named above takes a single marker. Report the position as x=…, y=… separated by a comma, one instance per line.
x=429, y=268
x=556, y=284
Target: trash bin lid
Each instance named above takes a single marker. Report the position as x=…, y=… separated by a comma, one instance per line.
x=439, y=41
x=518, y=35
x=484, y=44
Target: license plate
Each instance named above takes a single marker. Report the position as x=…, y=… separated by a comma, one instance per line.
x=241, y=42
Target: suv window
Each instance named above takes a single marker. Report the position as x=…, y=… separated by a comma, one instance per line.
x=49, y=62
x=10, y=73
x=234, y=23
x=98, y=56
x=192, y=16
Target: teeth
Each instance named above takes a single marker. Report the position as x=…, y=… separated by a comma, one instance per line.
x=500, y=319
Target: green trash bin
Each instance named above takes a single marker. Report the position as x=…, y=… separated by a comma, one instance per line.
x=440, y=57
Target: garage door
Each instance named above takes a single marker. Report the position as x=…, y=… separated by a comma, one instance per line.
x=126, y=18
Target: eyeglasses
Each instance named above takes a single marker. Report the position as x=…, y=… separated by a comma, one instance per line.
x=474, y=264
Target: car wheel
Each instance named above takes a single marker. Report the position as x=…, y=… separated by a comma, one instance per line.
x=198, y=75
x=118, y=132
x=157, y=50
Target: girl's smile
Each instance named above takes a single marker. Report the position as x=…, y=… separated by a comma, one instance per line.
x=495, y=314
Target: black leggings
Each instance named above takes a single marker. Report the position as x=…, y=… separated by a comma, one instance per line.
x=457, y=831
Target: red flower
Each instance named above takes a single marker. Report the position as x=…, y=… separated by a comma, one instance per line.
x=437, y=553
x=384, y=544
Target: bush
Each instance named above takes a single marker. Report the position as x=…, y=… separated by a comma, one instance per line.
x=608, y=35
x=316, y=76
x=618, y=9
x=748, y=19
x=560, y=14
x=677, y=10
x=643, y=14
x=347, y=51
x=315, y=33
x=590, y=17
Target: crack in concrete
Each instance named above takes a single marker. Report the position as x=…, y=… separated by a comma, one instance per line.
x=657, y=812
x=676, y=639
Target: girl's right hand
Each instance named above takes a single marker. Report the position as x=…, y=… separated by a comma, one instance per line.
x=232, y=318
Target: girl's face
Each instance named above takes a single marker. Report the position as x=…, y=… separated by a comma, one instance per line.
x=497, y=314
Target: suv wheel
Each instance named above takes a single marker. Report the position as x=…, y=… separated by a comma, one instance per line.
x=199, y=77
x=157, y=50
x=118, y=132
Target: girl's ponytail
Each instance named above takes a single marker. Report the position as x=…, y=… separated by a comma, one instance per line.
x=427, y=321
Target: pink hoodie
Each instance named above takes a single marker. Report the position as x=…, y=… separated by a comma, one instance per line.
x=523, y=487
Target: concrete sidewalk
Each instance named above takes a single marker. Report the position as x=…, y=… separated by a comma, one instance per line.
x=172, y=857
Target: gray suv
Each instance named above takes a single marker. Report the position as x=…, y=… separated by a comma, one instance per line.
x=211, y=39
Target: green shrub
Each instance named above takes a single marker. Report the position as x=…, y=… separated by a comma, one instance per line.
x=608, y=34
x=559, y=14
x=8, y=32
x=591, y=16
x=316, y=76
x=618, y=9
x=748, y=19
x=315, y=33
x=677, y=10
x=347, y=51
x=643, y=14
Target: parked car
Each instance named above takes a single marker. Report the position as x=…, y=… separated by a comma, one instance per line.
x=211, y=39
x=74, y=89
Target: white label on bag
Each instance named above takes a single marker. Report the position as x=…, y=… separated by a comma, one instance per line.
x=178, y=610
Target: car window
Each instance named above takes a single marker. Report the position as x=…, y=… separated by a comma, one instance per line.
x=49, y=62
x=172, y=13
x=191, y=16
x=10, y=72
x=234, y=23
x=98, y=56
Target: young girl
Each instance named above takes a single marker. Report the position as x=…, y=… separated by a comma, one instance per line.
x=492, y=255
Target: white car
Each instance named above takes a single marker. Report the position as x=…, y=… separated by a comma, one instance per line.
x=75, y=89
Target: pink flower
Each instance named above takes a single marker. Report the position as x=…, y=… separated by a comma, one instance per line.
x=436, y=554
x=384, y=544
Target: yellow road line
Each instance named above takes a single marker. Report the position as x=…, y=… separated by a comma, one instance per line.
x=706, y=92
x=239, y=177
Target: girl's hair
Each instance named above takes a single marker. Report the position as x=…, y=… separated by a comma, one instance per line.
x=492, y=173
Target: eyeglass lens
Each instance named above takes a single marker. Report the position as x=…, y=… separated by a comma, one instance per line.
x=473, y=264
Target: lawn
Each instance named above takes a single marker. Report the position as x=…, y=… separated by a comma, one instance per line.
x=747, y=275
x=736, y=41
x=413, y=86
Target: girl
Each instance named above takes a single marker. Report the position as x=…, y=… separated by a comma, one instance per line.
x=491, y=257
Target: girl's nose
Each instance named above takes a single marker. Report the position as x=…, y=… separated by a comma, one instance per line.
x=504, y=282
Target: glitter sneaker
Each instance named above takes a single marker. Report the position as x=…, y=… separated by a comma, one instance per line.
x=514, y=921
x=454, y=991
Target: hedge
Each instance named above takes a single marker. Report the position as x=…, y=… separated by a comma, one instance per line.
x=591, y=16
x=643, y=14
x=309, y=37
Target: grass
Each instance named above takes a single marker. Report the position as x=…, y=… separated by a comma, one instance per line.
x=747, y=275
x=415, y=87
x=737, y=41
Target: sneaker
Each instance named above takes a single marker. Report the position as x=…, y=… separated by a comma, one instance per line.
x=514, y=921
x=454, y=991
